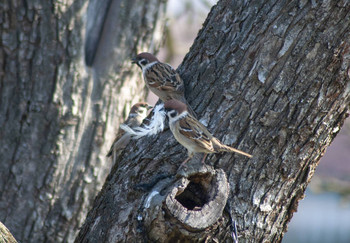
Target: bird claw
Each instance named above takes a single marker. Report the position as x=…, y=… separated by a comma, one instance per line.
x=183, y=164
x=204, y=157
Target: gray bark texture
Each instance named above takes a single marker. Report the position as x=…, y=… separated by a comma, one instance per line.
x=268, y=77
x=58, y=117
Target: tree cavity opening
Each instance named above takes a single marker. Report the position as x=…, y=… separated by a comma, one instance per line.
x=197, y=193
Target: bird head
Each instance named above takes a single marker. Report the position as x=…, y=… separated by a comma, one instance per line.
x=144, y=59
x=175, y=110
x=140, y=109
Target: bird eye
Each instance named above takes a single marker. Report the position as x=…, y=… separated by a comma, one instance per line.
x=172, y=114
x=143, y=62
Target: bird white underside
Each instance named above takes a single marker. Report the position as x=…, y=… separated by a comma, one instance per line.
x=191, y=147
x=183, y=140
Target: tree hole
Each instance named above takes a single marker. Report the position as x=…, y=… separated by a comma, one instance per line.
x=197, y=192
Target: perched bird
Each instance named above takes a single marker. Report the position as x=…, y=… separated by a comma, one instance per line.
x=161, y=78
x=192, y=134
x=138, y=112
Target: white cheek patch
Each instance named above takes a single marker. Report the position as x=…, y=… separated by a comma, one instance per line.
x=155, y=126
x=144, y=68
x=176, y=118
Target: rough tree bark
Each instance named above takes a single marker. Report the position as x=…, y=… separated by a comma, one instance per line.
x=269, y=77
x=58, y=117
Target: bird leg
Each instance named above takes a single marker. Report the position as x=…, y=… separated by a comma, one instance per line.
x=185, y=161
x=204, y=157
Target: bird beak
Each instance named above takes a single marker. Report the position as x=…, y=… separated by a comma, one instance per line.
x=133, y=60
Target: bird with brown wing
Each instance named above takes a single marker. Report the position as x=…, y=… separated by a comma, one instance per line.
x=161, y=78
x=138, y=113
x=192, y=134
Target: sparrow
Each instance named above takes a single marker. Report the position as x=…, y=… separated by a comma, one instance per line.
x=192, y=134
x=161, y=78
x=137, y=113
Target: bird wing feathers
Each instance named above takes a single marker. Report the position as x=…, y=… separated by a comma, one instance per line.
x=197, y=133
x=163, y=77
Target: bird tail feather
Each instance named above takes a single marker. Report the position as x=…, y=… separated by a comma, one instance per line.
x=225, y=148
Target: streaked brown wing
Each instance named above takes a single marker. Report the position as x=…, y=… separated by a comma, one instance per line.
x=163, y=77
x=190, y=128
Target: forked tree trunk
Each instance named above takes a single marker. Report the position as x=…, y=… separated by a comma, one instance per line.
x=268, y=77
x=58, y=117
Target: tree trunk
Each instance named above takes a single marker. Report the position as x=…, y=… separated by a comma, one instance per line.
x=270, y=78
x=58, y=117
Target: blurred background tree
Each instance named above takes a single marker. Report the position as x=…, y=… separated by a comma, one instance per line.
x=66, y=82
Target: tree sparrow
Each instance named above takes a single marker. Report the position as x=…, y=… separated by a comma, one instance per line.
x=161, y=78
x=192, y=134
x=138, y=112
